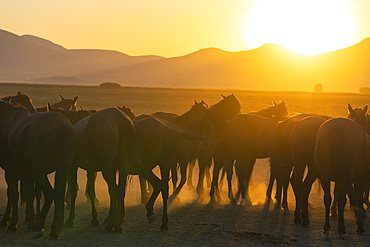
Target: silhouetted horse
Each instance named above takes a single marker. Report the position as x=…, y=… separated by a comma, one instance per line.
x=302, y=140
x=224, y=110
x=342, y=155
x=106, y=142
x=63, y=104
x=31, y=147
x=22, y=100
x=279, y=110
x=247, y=138
x=281, y=162
x=72, y=115
x=164, y=143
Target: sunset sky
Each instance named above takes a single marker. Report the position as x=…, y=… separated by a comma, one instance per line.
x=175, y=28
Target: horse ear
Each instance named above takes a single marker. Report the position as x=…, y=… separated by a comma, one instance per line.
x=273, y=103
x=75, y=99
x=49, y=107
x=19, y=93
x=365, y=109
x=82, y=109
x=283, y=102
x=195, y=102
x=61, y=97
x=350, y=109
x=8, y=99
x=223, y=96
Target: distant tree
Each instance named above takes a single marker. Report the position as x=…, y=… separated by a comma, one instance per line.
x=318, y=87
x=364, y=90
x=110, y=85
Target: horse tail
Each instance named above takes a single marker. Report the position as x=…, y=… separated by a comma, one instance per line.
x=340, y=156
x=63, y=161
x=129, y=145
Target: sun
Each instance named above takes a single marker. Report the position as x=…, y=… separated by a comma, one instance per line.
x=308, y=27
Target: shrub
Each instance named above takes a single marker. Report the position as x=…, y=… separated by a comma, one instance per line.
x=110, y=85
x=318, y=87
x=364, y=90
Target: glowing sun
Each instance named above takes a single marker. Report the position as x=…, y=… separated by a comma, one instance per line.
x=307, y=27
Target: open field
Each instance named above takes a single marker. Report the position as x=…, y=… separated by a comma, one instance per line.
x=190, y=222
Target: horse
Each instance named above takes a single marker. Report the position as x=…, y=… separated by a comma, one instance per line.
x=63, y=104
x=302, y=141
x=247, y=138
x=106, y=142
x=342, y=155
x=21, y=99
x=72, y=115
x=164, y=143
x=281, y=162
x=271, y=111
x=223, y=110
x=31, y=147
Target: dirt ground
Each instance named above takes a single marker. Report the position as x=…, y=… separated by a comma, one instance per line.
x=191, y=223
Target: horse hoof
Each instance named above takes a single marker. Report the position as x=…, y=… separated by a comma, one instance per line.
x=109, y=228
x=118, y=229
x=307, y=225
x=286, y=211
x=343, y=236
x=164, y=227
x=95, y=222
x=38, y=234
x=267, y=200
x=151, y=218
x=31, y=226
x=333, y=216
x=8, y=231
x=54, y=235
x=3, y=224
x=326, y=236
x=69, y=223
x=246, y=202
x=297, y=220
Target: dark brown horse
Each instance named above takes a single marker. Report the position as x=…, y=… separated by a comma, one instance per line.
x=342, y=155
x=22, y=100
x=32, y=146
x=106, y=142
x=271, y=111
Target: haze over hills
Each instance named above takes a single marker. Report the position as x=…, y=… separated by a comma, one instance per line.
x=270, y=67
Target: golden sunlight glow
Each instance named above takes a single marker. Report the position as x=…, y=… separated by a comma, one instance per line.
x=307, y=27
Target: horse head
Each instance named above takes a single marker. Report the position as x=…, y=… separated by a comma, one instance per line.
x=127, y=111
x=228, y=107
x=279, y=110
x=65, y=103
x=23, y=100
x=359, y=116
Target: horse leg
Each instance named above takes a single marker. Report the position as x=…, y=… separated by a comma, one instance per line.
x=38, y=194
x=49, y=195
x=7, y=215
x=341, y=203
x=174, y=175
x=30, y=197
x=156, y=183
x=297, y=179
x=218, y=164
x=176, y=192
x=334, y=205
x=88, y=198
x=109, y=176
x=244, y=168
x=306, y=189
x=366, y=199
x=73, y=195
x=325, y=183
x=359, y=188
x=190, y=173
x=208, y=174
x=228, y=168
x=204, y=162
x=270, y=185
x=90, y=186
x=144, y=190
x=13, y=197
x=165, y=178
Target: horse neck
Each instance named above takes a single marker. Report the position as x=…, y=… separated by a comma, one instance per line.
x=222, y=111
x=187, y=121
x=12, y=119
x=268, y=112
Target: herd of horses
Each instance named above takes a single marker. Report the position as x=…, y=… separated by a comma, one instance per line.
x=35, y=142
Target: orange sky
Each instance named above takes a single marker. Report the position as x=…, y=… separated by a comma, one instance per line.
x=174, y=28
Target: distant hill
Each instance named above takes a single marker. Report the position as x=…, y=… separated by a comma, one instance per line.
x=270, y=67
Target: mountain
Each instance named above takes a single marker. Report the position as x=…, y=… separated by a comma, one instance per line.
x=29, y=57
x=270, y=67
